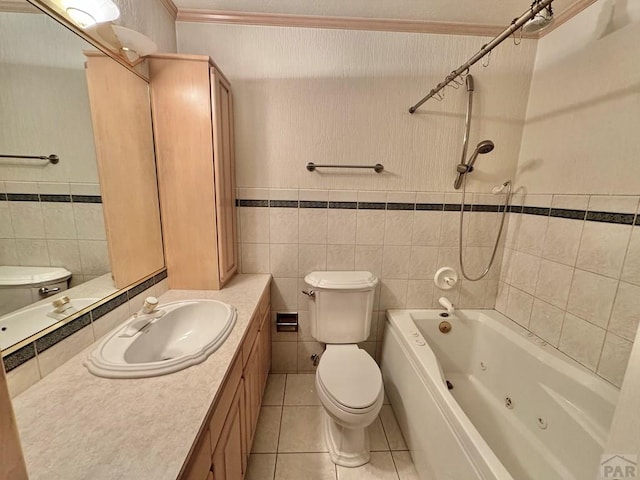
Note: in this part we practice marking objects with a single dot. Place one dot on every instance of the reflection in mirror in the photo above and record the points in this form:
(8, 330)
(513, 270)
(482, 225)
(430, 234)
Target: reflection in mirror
(52, 227)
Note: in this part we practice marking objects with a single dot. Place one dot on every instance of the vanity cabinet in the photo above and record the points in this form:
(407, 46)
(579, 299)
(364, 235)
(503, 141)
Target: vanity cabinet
(224, 447)
(192, 109)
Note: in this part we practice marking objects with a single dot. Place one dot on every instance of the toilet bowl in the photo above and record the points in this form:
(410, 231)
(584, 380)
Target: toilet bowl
(349, 386)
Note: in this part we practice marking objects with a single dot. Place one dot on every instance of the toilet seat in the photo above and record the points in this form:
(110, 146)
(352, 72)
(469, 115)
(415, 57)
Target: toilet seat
(350, 378)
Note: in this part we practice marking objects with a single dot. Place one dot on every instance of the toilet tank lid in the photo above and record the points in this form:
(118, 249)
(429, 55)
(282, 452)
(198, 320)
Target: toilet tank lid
(342, 280)
(13, 276)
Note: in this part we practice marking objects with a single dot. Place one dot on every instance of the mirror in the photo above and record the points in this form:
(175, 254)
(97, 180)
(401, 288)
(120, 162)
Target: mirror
(59, 96)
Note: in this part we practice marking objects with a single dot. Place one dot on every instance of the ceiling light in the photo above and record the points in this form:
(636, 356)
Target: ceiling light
(540, 21)
(87, 13)
(134, 44)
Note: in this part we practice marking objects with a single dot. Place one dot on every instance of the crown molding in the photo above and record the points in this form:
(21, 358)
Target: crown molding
(343, 23)
(170, 7)
(17, 6)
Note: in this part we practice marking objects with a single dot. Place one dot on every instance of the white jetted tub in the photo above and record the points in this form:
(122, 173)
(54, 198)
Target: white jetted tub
(518, 409)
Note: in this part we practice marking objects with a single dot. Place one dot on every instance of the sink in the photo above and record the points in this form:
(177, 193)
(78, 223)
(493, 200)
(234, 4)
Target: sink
(24, 323)
(173, 337)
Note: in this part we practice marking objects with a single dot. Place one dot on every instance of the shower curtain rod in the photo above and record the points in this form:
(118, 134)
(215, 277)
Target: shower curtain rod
(486, 49)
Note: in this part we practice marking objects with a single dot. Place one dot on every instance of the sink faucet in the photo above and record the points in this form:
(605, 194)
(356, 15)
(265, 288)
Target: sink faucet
(143, 318)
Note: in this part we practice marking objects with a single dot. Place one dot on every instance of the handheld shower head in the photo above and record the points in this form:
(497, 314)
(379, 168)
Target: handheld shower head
(483, 147)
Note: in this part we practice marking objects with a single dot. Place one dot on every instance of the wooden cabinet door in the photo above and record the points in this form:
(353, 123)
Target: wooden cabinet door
(224, 175)
(228, 454)
(253, 391)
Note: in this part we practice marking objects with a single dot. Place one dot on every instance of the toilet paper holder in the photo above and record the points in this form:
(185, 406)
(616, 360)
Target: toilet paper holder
(287, 321)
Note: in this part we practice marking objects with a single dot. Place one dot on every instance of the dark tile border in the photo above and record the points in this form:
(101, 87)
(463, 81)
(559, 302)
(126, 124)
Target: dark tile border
(86, 198)
(344, 205)
(603, 217)
(568, 213)
(17, 358)
(53, 198)
(23, 197)
(608, 217)
(26, 353)
(252, 203)
(50, 339)
(401, 206)
(283, 203)
(371, 205)
(433, 207)
(313, 204)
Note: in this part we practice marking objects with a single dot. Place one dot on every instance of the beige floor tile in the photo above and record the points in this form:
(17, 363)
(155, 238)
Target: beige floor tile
(404, 465)
(267, 431)
(301, 390)
(274, 392)
(377, 438)
(302, 430)
(261, 466)
(305, 466)
(392, 429)
(380, 467)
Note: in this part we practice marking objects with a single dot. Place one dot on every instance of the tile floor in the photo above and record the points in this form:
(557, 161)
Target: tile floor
(289, 444)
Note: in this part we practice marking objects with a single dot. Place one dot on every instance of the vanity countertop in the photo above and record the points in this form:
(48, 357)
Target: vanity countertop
(74, 425)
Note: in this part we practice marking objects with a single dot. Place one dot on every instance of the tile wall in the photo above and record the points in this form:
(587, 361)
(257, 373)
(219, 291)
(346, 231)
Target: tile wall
(34, 361)
(402, 237)
(571, 275)
(54, 224)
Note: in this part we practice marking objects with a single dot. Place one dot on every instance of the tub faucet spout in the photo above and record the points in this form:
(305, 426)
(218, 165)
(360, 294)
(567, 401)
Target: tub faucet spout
(446, 304)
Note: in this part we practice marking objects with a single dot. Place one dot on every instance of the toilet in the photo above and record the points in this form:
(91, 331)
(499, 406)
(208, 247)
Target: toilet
(348, 380)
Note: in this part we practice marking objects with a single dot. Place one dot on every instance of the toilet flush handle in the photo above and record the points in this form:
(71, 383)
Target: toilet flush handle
(309, 293)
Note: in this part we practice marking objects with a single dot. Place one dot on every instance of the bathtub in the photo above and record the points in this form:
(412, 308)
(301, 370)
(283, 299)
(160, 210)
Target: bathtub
(519, 409)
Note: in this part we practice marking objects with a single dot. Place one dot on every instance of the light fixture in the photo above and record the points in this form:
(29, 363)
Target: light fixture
(540, 20)
(86, 13)
(133, 44)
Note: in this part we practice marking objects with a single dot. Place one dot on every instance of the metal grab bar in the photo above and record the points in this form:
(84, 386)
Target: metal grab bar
(50, 158)
(378, 167)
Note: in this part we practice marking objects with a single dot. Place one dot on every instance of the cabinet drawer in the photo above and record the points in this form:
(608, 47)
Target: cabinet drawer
(226, 399)
(200, 461)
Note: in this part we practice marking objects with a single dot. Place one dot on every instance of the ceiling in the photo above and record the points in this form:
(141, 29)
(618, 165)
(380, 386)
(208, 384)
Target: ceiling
(476, 12)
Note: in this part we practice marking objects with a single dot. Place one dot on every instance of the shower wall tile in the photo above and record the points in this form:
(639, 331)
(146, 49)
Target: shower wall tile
(587, 276)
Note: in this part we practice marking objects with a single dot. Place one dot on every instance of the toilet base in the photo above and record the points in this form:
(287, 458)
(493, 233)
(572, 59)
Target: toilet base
(348, 447)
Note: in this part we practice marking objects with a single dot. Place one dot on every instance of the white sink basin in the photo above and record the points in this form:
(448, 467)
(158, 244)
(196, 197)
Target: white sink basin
(19, 325)
(176, 336)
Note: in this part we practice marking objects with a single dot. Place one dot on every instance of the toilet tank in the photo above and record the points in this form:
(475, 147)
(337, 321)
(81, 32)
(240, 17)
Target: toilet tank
(20, 286)
(340, 305)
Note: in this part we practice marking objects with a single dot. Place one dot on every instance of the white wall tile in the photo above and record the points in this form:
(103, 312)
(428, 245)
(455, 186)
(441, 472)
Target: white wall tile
(341, 257)
(26, 218)
(89, 221)
(603, 247)
(341, 226)
(395, 261)
(631, 270)
(531, 234)
(614, 359)
(283, 225)
(369, 258)
(94, 256)
(65, 253)
(313, 225)
(33, 253)
(311, 258)
(519, 305)
(423, 263)
(626, 311)
(254, 224)
(616, 204)
(59, 221)
(370, 227)
(398, 228)
(581, 340)
(546, 321)
(554, 282)
(562, 240)
(284, 260)
(591, 297)
(255, 258)
(426, 228)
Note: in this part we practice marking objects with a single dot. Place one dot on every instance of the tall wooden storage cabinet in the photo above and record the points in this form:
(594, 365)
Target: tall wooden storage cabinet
(192, 110)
